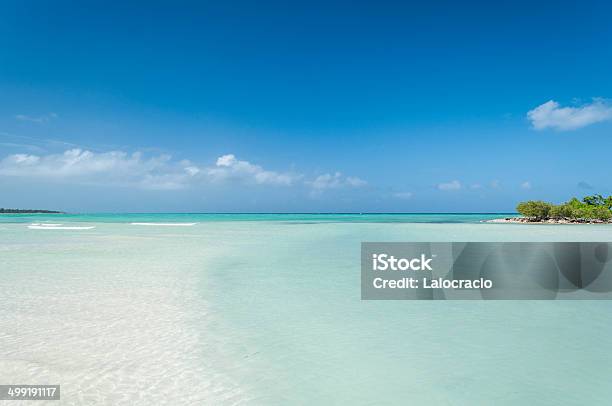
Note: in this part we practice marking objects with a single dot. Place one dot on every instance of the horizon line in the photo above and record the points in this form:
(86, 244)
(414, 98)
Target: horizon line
(286, 213)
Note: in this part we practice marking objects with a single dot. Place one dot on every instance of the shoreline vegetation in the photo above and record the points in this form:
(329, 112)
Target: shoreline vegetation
(594, 209)
(28, 211)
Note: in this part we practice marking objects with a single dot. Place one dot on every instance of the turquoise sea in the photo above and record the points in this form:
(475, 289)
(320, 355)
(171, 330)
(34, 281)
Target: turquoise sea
(292, 217)
(265, 309)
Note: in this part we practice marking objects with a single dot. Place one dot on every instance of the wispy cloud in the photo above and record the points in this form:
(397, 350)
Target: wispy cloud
(526, 185)
(107, 168)
(337, 180)
(403, 195)
(34, 143)
(21, 146)
(452, 185)
(161, 172)
(228, 167)
(36, 119)
(552, 115)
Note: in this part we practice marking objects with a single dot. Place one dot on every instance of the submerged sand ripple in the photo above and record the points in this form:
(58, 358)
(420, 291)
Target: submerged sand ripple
(108, 331)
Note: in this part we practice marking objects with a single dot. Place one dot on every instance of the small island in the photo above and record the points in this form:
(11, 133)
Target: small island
(28, 211)
(594, 209)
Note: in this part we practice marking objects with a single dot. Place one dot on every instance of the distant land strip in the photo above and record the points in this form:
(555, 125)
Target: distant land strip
(28, 211)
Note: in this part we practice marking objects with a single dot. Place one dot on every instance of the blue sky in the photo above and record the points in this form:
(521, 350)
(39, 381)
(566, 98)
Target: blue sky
(330, 106)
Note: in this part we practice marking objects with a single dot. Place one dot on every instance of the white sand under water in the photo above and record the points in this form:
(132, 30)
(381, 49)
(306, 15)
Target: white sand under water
(108, 317)
(269, 313)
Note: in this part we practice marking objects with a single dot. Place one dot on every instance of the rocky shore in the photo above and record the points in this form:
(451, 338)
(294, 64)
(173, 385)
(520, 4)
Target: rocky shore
(527, 220)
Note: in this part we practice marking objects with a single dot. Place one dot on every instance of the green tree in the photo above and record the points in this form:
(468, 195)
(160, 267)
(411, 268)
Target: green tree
(603, 213)
(595, 200)
(589, 208)
(535, 209)
(561, 211)
(575, 203)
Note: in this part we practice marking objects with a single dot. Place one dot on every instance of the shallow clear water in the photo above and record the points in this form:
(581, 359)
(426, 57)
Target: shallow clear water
(292, 217)
(268, 311)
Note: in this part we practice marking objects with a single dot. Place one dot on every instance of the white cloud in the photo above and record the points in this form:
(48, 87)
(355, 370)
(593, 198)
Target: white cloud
(228, 167)
(36, 119)
(110, 168)
(226, 160)
(354, 181)
(495, 184)
(121, 168)
(475, 186)
(453, 185)
(162, 172)
(403, 195)
(335, 181)
(192, 170)
(526, 185)
(551, 115)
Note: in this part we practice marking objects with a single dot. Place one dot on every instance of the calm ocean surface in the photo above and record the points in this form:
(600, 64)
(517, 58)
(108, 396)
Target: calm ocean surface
(265, 309)
(295, 217)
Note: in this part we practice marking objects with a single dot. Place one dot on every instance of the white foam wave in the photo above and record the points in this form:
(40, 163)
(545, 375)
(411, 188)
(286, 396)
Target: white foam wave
(46, 227)
(165, 224)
